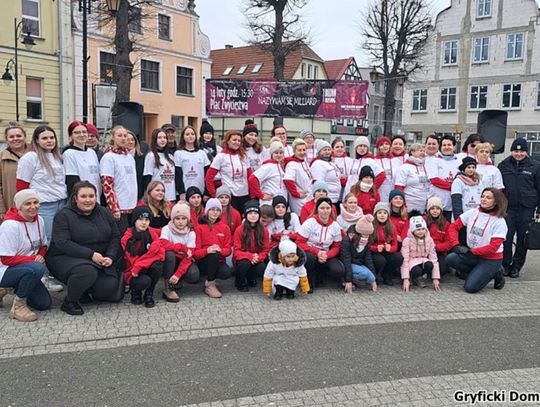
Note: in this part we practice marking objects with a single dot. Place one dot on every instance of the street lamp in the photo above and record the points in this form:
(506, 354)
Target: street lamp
(374, 76)
(85, 8)
(13, 63)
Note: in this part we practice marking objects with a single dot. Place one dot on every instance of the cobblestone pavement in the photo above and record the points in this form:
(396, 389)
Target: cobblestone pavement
(436, 391)
(109, 326)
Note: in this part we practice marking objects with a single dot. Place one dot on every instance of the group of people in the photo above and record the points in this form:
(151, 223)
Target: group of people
(297, 215)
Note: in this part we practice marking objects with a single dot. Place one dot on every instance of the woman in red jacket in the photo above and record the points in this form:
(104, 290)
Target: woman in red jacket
(212, 246)
(384, 245)
(398, 214)
(439, 228)
(229, 215)
(251, 246)
(144, 257)
(366, 191)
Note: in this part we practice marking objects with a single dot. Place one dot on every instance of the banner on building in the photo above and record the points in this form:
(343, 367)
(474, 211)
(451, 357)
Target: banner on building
(317, 99)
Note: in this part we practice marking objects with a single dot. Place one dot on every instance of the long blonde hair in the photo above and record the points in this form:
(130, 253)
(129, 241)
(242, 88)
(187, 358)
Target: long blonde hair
(43, 160)
(154, 206)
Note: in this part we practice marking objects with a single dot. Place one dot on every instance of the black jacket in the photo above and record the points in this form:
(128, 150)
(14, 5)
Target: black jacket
(79, 236)
(521, 182)
(349, 256)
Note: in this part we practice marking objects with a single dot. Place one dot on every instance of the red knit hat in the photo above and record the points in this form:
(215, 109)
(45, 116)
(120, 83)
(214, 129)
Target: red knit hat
(382, 140)
(92, 129)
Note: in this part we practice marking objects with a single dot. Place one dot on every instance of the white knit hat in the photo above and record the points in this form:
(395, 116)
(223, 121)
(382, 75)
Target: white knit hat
(286, 247)
(417, 222)
(275, 146)
(320, 144)
(361, 141)
(213, 203)
(434, 201)
(23, 196)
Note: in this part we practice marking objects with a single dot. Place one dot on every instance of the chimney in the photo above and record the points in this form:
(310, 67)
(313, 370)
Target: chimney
(229, 46)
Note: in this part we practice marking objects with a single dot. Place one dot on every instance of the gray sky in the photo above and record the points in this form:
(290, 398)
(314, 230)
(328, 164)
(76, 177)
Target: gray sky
(334, 25)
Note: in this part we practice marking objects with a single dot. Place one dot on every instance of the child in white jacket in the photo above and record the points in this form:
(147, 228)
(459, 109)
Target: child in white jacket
(285, 270)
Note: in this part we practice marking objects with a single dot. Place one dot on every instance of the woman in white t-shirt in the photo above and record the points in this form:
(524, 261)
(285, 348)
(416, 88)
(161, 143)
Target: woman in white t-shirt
(489, 174)
(255, 152)
(267, 182)
(119, 178)
(159, 165)
(480, 261)
(298, 178)
(232, 165)
(22, 264)
(42, 170)
(191, 162)
(466, 188)
(412, 179)
(324, 169)
(81, 163)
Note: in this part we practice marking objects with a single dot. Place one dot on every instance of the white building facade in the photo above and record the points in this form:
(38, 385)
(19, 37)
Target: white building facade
(481, 54)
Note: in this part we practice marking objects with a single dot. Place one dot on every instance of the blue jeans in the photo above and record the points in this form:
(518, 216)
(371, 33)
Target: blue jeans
(47, 210)
(479, 271)
(362, 273)
(26, 280)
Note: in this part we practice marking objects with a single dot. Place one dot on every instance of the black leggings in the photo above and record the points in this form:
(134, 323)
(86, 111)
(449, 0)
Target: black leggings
(213, 268)
(88, 278)
(148, 279)
(441, 258)
(421, 269)
(387, 264)
(317, 271)
(245, 271)
(171, 264)
(238, 202)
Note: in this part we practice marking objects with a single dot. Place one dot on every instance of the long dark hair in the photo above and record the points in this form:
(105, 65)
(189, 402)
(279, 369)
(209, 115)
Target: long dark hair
(182, 142)
(77, 187)
(154, 149)
(258, 229)
(43, 160)
(440, 222)
(388, 228)
(501, 203)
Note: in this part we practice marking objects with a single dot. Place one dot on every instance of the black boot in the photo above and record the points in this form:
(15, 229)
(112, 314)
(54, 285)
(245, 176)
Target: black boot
(513, 273)
(136, 297)
(149, 299)
(289, 294)
(278, 295)
(499, 280)
(71, 307)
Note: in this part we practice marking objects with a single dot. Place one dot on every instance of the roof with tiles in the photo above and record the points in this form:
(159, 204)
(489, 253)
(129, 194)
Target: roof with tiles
(252, 62)
(335, 69)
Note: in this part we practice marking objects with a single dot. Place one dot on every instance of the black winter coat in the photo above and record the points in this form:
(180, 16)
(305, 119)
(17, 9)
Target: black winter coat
(349, 256)
(521, 182)
(75, 237)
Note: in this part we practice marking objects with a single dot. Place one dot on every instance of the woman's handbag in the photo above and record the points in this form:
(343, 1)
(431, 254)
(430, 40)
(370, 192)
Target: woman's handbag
(532, 236)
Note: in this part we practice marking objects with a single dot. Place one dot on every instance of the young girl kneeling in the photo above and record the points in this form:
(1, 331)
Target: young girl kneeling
(178, 240)
(356, 254)
(251, 246)
(144, 257)
(285, 270)
(419, 256)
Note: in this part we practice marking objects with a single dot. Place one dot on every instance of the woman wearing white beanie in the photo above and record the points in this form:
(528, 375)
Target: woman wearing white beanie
(363, 157)
(324, 169)
(23, 245)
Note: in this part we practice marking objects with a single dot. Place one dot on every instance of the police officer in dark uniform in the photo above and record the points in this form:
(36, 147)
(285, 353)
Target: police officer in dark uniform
(521, 177)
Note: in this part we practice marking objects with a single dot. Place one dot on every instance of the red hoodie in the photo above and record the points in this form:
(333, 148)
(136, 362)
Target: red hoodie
(400, 225)
(239, 254)
(208, 235)
(236, 219)
(381, 239)
(138, 264)
(443, 243)
(367, 201)
(10, 261)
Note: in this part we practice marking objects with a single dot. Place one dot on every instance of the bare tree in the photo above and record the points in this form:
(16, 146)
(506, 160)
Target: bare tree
(276, 26)
(394, 36)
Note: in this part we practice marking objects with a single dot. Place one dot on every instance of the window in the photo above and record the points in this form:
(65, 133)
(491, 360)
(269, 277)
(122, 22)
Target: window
(178, 121)
(303, 70)
(309, 71)
(106, 64)
(242, 69)
(184, 81)
(149, 75)
(538, 94)
(164, 27)
(376, 110)
(484, 8)
(450, 52)
(228, 70)
(448, 99)
(30, 17)
(377, 87)
(478, 97)
(399, 117)
(315, 71)
(34, 107)
(514, 46)
(419, 100)
(512, 96)
(382, 117)
(135, 21)
(256, 68)
(481, 49)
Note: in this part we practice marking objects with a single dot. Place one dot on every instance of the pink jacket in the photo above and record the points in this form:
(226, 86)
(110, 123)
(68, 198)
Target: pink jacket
(417, 252)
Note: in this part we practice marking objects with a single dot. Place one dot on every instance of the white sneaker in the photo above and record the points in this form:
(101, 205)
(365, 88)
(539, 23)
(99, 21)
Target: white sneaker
(51, 285)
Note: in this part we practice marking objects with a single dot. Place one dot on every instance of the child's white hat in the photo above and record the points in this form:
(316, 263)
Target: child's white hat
(417, 222)
(286, 247)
